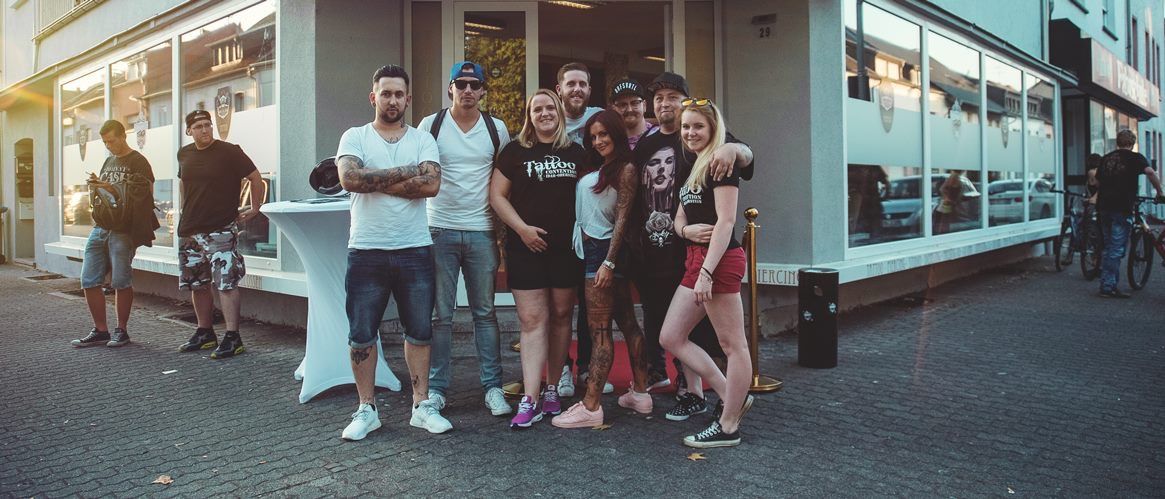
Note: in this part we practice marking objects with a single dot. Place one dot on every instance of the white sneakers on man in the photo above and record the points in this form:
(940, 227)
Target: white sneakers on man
(438, 400)
(426, 416)
(566, 383)
(495, 401)
(364, 420)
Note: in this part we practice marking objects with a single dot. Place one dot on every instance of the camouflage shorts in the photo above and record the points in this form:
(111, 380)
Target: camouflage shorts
(211, 257)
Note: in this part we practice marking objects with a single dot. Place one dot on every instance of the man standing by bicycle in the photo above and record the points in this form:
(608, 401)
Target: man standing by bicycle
(1118, 179)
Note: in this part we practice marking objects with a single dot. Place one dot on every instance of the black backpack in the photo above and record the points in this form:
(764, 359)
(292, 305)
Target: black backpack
(435, 128)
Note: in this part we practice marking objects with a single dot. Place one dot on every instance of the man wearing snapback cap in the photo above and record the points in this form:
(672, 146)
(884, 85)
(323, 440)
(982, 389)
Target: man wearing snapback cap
(461, 224)
(627, 99)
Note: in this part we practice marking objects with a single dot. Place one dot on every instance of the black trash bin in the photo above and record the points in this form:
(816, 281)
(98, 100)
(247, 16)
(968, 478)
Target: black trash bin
(817, 317)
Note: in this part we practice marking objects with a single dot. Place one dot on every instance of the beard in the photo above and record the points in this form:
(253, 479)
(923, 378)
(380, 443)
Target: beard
(571, 109)
(391, 116)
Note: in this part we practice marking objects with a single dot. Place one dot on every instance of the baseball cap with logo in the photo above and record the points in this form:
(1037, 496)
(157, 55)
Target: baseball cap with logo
(196, 115)
(466, 69)
(624, 87)
(667, 79)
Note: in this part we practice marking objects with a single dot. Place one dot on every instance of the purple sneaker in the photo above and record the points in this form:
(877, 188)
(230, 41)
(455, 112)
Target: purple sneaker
(550, 403)
(528, 414)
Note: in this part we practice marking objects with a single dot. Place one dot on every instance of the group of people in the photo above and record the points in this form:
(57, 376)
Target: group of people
(212, 172)
(587, 201)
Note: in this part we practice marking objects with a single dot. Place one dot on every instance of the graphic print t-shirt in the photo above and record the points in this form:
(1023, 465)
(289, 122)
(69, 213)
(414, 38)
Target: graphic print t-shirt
(1119, 176)
(663, 167)
(700, 203)
(574, 126)
(132, 167)
(542, 190)
(211, 184)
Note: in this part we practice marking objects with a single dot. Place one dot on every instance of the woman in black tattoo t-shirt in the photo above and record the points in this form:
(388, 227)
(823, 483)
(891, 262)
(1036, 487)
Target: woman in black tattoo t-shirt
(714, 269)
(532, 191)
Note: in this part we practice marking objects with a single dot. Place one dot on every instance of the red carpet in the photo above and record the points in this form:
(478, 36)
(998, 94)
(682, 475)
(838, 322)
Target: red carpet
(620, 376)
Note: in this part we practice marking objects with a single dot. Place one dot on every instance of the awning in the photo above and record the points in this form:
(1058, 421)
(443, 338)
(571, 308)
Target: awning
(1102, 74)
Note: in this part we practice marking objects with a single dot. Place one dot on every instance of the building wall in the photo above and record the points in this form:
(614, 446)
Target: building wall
(1023, 25)
(30, 120)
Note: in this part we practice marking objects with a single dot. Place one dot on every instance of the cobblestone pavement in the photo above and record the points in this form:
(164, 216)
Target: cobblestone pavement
(1017, 381)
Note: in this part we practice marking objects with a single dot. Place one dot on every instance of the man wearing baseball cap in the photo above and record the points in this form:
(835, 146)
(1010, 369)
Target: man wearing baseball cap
(461, 224)
(627, 99)
(211, 171)
(657, 252)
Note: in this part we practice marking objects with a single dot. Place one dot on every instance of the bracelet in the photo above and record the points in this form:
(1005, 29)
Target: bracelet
(682, 236)
(706, 272)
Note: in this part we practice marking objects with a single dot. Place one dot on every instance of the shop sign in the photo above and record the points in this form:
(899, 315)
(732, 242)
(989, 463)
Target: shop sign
(886, 104)
(956, 116)
(139, 131)
(222, 110)
(82, 139)
(1116, 76)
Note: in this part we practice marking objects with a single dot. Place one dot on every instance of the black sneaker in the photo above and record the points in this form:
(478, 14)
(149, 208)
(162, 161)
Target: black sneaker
(687, 405)
(719, 410)
(231, 346)
(714, 436)
(119, 337)
(92, 339)
(203, 339)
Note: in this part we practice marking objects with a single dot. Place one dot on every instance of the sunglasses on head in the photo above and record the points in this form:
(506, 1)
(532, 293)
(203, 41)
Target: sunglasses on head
(474, 84)
(695, 102)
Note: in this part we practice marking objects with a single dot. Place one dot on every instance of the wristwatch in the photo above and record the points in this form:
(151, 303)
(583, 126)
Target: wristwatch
(609, 264)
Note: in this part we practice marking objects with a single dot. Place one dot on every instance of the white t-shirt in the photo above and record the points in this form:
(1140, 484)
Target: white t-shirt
(382, 221)
(574, 127)
(466, 166)
(594, 213)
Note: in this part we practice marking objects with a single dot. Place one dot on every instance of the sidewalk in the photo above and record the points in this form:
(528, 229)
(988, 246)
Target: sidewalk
(1017, 380)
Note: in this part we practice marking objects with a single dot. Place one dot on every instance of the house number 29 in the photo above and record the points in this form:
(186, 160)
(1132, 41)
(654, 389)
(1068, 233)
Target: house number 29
(764, 32)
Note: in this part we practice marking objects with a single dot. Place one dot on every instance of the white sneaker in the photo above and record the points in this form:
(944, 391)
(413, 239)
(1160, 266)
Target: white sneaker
(364, 420)
(438, 400)
(426, 415)
(566, 383)
(582, 380)
(495, 401)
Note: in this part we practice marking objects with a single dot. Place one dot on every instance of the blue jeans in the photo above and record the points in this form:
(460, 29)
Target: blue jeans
(473, 254)
(1116, 227)
(108, 252)
(373, 277)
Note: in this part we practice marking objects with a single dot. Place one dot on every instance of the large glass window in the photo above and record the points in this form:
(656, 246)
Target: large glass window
(229, 70)
(1004, 143)
(955, 135)
(141, 97)
(82, 152)
(884, 130)
(1041, 148)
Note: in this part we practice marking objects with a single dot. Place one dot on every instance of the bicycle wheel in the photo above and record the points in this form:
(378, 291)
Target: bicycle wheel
(1063, 249)
(1090, 252)
(1140, 259)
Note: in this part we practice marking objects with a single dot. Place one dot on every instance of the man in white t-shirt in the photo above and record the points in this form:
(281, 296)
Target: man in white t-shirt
(390, 168)
(574, 88)
(461, 224)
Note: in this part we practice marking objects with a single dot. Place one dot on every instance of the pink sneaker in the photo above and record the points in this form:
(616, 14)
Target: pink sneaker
(579, 417)
(528, 414)
(639, 402)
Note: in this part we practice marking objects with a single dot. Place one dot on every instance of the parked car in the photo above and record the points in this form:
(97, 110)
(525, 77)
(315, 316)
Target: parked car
(1006, 200)
(902, 206)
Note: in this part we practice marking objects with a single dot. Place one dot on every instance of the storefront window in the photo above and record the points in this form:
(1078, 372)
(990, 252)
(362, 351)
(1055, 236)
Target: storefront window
(884, 126)
(1041, 148)
(228, 69)
(82, 152)
(955, 135)
(141, 97)
(1004, 143)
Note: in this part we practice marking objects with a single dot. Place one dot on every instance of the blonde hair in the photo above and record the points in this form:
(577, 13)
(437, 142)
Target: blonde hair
(697, 178)
(529, 136)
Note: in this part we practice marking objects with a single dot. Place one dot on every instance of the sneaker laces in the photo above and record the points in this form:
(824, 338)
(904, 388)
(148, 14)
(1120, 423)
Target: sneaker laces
(550, 396)
(709, 432)
(362, 415)
(525, 406)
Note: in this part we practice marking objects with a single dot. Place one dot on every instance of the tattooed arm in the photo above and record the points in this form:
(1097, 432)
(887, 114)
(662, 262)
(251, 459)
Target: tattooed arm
(424, 185)
(354, 177)
(628, 182)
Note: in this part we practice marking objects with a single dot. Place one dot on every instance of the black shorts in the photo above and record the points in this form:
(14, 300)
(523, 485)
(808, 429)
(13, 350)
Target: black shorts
(553, 268)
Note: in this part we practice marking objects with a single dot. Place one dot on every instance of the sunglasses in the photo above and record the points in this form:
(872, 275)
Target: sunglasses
(694, 102)
(474, 84)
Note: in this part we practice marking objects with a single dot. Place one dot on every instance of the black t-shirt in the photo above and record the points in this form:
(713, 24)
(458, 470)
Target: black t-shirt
(131, 168)
(700, 204)
(1118, 175)
(663, 167)
(542, 191)
(211, 185)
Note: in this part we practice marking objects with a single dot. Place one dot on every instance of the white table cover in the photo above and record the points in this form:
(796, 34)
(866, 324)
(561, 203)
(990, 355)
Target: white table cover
(318, 230)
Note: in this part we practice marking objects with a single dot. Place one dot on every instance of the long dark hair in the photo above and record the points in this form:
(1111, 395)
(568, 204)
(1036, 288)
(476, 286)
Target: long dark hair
(608, 170)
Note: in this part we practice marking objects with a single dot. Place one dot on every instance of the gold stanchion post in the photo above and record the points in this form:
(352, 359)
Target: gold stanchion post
(760, 383)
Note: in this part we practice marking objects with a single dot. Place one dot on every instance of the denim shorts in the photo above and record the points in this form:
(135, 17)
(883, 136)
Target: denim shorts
(211, 258)
(108, 252)
(374, 276)
(594, 252)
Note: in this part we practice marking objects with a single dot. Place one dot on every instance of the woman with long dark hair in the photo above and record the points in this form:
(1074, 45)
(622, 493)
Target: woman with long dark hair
(602, 201)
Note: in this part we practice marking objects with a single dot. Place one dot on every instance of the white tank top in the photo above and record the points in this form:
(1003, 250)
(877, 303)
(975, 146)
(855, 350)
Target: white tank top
(594, 213)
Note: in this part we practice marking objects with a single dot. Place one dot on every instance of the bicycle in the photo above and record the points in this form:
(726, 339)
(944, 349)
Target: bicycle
(1142, 242)
(1079, 232)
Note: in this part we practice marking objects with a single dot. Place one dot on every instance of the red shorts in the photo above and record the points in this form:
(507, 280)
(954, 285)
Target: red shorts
(727, 275)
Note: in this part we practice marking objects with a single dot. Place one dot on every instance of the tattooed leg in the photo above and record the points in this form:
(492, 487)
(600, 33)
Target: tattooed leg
(417, 358)
(364, 369)
(602, 350)
(636, 342)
